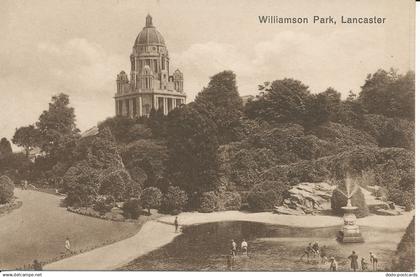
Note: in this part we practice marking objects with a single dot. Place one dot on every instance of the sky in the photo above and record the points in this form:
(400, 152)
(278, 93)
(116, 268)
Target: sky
(78, 46)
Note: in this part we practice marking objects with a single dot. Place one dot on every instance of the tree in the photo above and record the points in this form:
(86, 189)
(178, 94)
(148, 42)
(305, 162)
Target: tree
(282, 101)
(192, 146)
(174, 200)
(222, 100)
(151, 198)
(120, 127)
(389, 94)
(157, 123)
(317, 111)
(57, 125)
(6, 189)
(265, 196)
(81, 184)
(5, 148)
(27, 137)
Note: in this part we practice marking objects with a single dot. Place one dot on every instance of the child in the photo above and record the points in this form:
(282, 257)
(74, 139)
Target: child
(333, 264)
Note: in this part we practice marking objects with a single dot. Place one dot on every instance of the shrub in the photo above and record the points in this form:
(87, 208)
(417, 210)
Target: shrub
(405, 256)
(151, 198)
(265, 196)
(6, 189)
(103, 205)
(230, 200)
(174, 200)
(338, 200)
(208, 202)
(132, 208)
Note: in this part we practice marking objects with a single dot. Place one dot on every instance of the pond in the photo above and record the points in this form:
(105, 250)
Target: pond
(205, 247)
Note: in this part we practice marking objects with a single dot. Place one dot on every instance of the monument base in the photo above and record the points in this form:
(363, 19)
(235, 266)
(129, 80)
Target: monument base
(349, 237)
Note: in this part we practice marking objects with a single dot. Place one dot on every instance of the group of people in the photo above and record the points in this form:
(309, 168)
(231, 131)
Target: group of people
(234, 251)
(315, 250)
(354, 265)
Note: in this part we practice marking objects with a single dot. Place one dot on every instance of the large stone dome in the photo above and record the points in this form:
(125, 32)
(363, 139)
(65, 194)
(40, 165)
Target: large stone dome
(149, 35)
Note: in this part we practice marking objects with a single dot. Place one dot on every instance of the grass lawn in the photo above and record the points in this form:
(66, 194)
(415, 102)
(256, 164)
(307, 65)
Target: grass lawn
(39, 229)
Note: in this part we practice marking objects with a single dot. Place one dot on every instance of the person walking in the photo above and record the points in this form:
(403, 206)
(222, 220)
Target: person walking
(176, 224)
(244, 247)
(333, 264)
(67, 246)
(307, 252)
(374, 261)
(233, 247)
(353, 261)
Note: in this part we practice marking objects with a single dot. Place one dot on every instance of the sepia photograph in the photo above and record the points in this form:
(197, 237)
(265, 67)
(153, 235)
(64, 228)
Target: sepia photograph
(194, 135)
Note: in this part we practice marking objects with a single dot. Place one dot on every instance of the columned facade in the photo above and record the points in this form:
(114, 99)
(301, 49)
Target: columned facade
(150, 85)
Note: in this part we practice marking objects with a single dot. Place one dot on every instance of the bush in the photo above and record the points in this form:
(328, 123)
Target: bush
(151, 198)
(132, 208)
(338, 200)
(265, 196)
(208, 202)
(103, 205)
(6, 189)
(405, 258)
(230, 200)
(174, 200)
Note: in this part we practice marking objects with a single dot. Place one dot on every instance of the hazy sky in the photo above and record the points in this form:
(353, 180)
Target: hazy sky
(78, 47)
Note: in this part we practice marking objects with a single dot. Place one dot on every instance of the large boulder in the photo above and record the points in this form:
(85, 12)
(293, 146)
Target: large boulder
(306, 198)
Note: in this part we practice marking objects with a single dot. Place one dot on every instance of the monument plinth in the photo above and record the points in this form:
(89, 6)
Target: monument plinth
(350, 231)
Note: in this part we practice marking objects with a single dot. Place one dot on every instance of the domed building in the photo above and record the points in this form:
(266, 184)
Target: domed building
(150, 84)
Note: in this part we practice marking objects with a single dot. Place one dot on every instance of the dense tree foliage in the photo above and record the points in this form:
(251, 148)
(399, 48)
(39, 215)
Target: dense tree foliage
(389, 94)
(6, 189)
(192, 147)
(27, 137)
(174, 200)
(216, 154)
(221, 99)
(5, 148)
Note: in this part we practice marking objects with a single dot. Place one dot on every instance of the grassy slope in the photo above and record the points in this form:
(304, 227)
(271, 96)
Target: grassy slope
(39, 228)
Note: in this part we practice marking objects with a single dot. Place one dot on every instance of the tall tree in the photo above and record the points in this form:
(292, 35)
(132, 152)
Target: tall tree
(57, 125)
(27, 137)
(389, 94)
(282, 101)
(192, 148)
(222, 100)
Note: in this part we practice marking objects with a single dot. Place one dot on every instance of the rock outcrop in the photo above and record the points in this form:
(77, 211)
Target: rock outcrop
(307, 198)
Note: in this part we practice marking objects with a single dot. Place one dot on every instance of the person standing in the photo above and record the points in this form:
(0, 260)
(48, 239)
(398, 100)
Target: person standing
(176, 224)
(374, 261)
(233, 247)
(67, 246)
(353, 261)
(37, 265)
(333, 264)
(244, 247)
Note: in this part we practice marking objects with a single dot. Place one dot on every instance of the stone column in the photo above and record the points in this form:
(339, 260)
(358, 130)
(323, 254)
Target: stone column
(116, 107)
(130, 107)
(140, 109)
(165, 105)
(124, 108)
